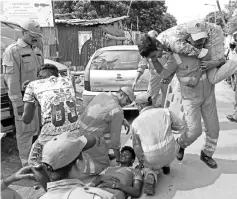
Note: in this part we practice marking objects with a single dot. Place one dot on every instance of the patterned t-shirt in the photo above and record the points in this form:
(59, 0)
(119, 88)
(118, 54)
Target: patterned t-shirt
(57, 100)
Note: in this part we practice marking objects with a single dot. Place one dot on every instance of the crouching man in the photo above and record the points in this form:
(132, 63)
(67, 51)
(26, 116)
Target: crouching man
(103, 117)
(153, 139)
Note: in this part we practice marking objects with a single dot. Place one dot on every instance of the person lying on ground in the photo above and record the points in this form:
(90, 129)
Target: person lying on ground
(153, 139)
(63, 160)
(8, 193)
(122, 180)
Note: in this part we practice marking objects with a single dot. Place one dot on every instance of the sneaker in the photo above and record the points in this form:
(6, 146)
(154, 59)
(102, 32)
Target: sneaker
(208, 160)
(180, 154)
(231, 118)
(150, 185)
(166, 170)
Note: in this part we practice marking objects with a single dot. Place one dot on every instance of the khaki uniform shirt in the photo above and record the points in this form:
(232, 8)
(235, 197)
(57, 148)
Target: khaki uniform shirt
(20, 63)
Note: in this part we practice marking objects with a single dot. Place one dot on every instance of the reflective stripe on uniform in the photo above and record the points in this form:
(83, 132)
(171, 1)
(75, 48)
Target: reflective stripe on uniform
(85, 127)
(186, 79)
(114, 111)
(89, 165)
(159, 145)
(210, 146)
(208, 139)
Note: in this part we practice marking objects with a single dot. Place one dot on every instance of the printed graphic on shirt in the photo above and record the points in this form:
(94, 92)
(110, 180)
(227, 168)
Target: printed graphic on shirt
(56, 97)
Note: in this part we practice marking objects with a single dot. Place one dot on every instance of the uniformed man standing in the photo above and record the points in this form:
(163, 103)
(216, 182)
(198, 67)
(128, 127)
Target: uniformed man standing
(198, 102)
(20, 62)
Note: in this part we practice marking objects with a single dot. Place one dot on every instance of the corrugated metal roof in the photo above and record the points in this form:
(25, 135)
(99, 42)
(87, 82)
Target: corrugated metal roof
(120, 47)
(10, 24)
(91, 22)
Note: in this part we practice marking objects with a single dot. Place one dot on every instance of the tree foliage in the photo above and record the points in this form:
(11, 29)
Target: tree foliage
(230, 7)
(211, 18)
(231, 26)
(231, 22)
(169, 21)
(147, 15)
(110, 8)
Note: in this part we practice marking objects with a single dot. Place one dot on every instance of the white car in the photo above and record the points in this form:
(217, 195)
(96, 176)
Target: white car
(111, 68)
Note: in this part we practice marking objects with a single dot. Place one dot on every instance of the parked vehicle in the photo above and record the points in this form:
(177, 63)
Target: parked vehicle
(111, 68)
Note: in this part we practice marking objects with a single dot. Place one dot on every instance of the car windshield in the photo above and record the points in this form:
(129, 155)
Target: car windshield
(116, 60)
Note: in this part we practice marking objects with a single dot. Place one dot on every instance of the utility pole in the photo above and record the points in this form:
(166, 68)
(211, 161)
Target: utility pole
(222, 16)
(56, 34)
(137, 24)
(207, 4)
(129, 7)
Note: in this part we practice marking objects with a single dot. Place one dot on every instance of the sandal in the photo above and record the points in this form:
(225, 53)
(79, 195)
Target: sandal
(150, 185)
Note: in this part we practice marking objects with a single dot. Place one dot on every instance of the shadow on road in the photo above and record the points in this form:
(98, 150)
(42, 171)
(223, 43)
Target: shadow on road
(226, 125)
(192, 173)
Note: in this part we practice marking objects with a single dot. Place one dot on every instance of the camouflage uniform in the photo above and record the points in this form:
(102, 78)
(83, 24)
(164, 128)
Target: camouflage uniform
(175, 39)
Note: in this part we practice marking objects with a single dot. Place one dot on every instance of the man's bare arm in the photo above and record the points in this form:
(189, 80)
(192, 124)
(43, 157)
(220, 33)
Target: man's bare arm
(29, 111)
(157, 65)
(207, 65)
(134, 191)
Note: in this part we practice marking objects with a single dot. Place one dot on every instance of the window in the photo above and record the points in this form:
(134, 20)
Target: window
(116, 60)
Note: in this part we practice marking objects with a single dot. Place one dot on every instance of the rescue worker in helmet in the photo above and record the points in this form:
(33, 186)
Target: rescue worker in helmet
(103, 117)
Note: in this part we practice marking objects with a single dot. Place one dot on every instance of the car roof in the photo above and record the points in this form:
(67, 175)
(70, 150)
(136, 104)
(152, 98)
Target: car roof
(120, 47)
(57, 64)
(11, 24)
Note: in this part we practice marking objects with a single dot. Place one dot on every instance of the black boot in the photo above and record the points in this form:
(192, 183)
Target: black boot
(231, 118)
(166, 170)
(180, 154)
(208, 160)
